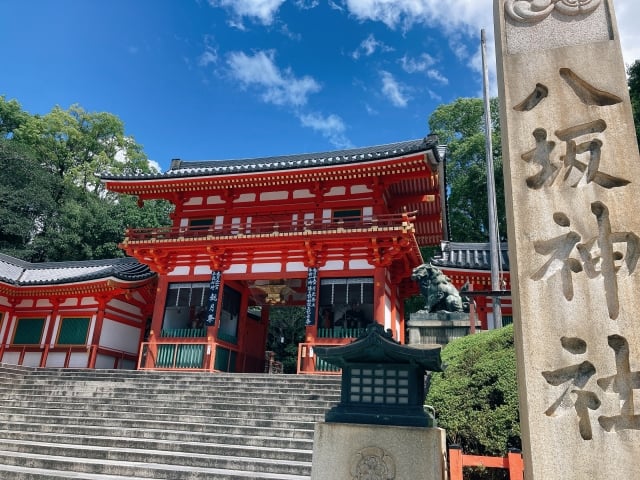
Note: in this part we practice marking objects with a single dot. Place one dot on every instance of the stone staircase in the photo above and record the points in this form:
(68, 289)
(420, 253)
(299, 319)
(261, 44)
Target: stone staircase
(116, 425)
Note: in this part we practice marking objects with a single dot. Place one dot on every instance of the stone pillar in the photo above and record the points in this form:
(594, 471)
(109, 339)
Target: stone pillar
(344, 451)
(572, 182)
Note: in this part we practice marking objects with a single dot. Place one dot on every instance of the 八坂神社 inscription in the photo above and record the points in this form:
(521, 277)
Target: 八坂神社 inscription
(531, 11)
(596, 255)
(575, 169)
(574, 379)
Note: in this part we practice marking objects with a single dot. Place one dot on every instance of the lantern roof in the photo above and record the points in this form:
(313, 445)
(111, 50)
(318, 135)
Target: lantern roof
(376, 346)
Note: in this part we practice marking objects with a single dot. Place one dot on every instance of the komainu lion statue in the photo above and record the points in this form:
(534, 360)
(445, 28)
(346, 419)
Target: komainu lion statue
(438, 291)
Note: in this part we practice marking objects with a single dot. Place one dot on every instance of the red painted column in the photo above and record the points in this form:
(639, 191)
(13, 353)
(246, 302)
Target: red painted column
(158, 309)
(55, 302)
(97, 330)
(379, 307)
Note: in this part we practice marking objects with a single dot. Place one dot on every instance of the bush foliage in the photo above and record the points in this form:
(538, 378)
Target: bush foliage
(476, 398)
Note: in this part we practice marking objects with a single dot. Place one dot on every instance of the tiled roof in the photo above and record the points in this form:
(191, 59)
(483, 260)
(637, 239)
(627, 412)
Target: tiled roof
(472, 256)
(181, 168)
(21, 273)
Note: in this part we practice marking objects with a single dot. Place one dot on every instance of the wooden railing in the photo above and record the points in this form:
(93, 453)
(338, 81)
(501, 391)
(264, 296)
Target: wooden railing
(89, 352)
(458, 460)
(177, 356)
(271, 227)
(340, 332)
(309, 363)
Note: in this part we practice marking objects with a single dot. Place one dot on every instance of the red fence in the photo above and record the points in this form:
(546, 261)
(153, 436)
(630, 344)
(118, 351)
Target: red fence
(458, 460)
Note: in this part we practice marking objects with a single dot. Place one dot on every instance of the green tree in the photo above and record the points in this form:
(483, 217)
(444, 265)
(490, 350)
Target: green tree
(286, 331)
(76, 144)
(634, 93)
(460, 125)
(25, 198)
(55, 207)
(475, 398)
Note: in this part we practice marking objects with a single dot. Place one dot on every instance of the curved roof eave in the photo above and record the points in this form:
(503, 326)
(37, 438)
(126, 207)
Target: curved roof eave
(186, 169)
(14, 271)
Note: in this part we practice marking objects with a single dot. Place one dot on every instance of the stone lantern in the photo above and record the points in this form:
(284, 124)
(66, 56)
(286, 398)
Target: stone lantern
(382, 381)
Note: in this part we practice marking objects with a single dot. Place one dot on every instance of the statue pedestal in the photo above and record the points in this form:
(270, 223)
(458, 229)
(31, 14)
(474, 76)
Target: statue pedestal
(348, 451)
(437, 327)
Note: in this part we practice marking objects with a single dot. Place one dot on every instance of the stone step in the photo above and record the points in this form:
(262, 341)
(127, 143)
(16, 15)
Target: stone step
(269, 405)
(263, 451)
(234, 412)
(213, 425)
(134, 425)
(22, 466)
(250, 436)
(182, 394)
(93, 459)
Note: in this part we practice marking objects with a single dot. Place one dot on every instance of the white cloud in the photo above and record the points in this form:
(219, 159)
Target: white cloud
(208, 57)
(464, 19)
(263, 11)
(425, 63)
(276, 86)
(421, 64)
(394, 90)
(436, 76)
(369, 46)
(627, 14)
(307, 4)
(331, 127)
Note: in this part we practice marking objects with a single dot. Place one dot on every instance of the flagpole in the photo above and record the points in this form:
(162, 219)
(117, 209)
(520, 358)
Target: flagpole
(491, 191)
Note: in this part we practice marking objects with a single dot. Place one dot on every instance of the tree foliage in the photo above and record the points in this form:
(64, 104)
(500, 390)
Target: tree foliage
(286, 331)
(475, 398)
(634, 93)
(460, 125)
(53, 206)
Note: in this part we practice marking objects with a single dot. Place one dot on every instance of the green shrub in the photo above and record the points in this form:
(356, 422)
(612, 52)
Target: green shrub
(476, 399)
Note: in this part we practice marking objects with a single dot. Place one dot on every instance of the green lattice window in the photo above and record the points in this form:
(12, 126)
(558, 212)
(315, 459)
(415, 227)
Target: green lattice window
(28, 331)
(73, 331)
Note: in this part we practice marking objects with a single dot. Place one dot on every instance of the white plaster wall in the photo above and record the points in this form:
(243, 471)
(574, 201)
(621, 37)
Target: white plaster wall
(32, 359)
(266, 267)
(11, 358)
(183, 270)
(214, 199)
(104, 361)
(360, 264)
(333, 265)
(4, 301)
(43, 303)
(202, 270)
(194, 201)
(56, 359)
(266, 196)
(88, 301)
(126, 307)
(71, 302)
(387, 312)
(238, 268)
(296, 267)
(25, 304)
(303, 194)
(336, 191)
(119, 336)
(246, 197)
(355, 189)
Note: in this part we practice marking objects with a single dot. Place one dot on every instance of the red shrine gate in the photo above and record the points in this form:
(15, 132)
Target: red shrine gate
(335, 233)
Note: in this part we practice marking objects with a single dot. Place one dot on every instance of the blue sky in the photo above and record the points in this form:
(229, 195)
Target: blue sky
(224, 79)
